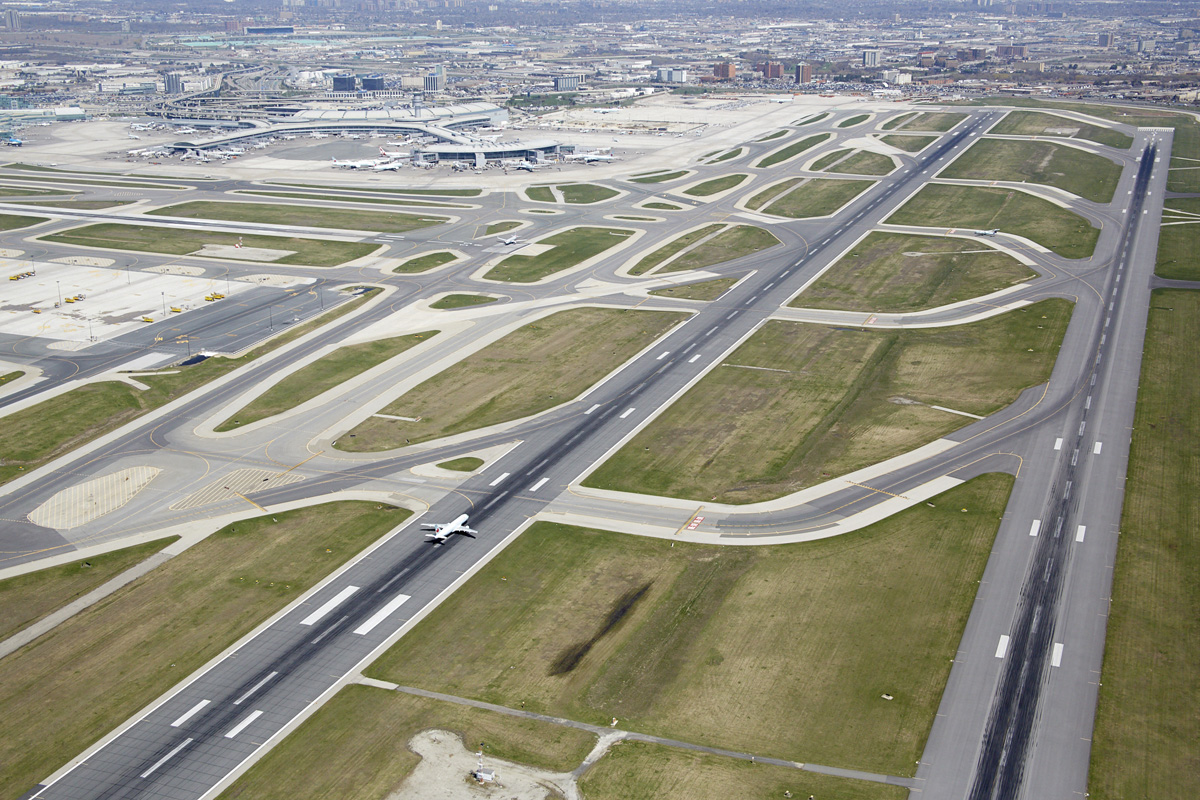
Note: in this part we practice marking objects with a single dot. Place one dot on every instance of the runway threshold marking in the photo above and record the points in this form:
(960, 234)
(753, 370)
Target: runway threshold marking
(1035, 527)
(191, 712)
(254, 689)
(241, 726)
(1002, 648)
(1056, 656)
(329, 605)
(382, 614)
(1079, 532)
(166, 758)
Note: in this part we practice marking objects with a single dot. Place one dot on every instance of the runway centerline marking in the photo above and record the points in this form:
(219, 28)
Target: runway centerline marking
(254, 688)
(1002, 648)
(382, 614)
(503, 475)
(329, 605)
(241, 726)
(593, 408)
(191, 712)
(165, 758)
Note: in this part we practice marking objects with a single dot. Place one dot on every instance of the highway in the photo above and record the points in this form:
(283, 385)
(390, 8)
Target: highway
(191, 742)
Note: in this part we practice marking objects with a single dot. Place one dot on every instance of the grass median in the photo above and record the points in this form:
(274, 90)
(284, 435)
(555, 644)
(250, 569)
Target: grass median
(661, 177)
(940, 121)
(729, 244)
(296, 214)
(567, 249)
(792, 150)
(452, 301)
(857, 119)
(896, 122)
(534, 368)
(671, 248)
(541, 194)
(70, 687)
(503, 226)
(862, 162)
(704, 291)
(12, 222)
(716, 185)
(903, 272)
(30, 597)
(728, 155)
(817, 197)
(464, 464)
(1144, 743)
(771, 192)
(586, 193)
(339, 198)
(40, 433)
(327, 372)
(415, 192)
(1178, 256)
(1012, 211)
(797, 404)
(1039, 123)
(755, 649)
(185, 241)
(909, 144)
(425, 262)
(1076, 171)
(372, 727)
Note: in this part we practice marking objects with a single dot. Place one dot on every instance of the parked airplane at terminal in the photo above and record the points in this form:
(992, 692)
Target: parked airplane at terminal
(442, 532)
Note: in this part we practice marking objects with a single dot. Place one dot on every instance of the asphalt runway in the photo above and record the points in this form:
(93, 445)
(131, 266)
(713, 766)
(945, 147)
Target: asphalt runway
(227, 714)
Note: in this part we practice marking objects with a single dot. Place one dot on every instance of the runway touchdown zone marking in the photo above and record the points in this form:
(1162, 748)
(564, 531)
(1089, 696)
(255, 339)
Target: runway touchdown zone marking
(382, 614)
(191, 712)
(241, 726)
(1002, 648)
(1035, 527)
(329, 605)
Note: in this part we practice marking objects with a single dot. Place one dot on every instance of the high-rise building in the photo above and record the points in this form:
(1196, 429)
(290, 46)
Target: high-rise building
(724, 70)
(566, 83)
(435, 81)
(804, 73)
(344, 83)
(12, 18)
(870, 58)
(173, 83)
(373, 83)
(1104, 40)
(770, 69)
(671, 75)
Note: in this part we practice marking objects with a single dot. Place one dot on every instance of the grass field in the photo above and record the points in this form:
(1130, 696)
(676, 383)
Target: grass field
(462, 301)
(645, 770)
(1036, 123)
(503, 226)
(372, 728)
(817, 118)
(728, 155)
(711, 187)
(662, 177)
(425, 262)
(10, 376)
(1053, 227)
(940, 121)
(29, 597)
(817, 197)
(320, 376)
(567, 249)
(909, 144)
(89, 182)
(81, 205)
(829, 158)
(1084, 174)
(792, 150)
(704, 290)
(852, 121)
(540, 194)
(464, 464)
(827, 404)
(338, 198)
(770, 136)
(662, 206)
(1144, 744)
(636, 219)
(1178, 257)
(766, 195)
(735, 242)
(534, 368)
(40, 433)
(755, 649)
(181, 241)
(896, 122)
(586, 193)
(902, 272)
(157, 630)
(11, 222)
(315, 216)
(660, 255)
(14, 191)
(864, 162)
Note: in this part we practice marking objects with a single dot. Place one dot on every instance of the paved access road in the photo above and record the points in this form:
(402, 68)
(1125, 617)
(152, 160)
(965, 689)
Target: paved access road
(192, 741)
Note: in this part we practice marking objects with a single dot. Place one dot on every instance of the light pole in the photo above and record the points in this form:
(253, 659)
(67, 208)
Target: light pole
(271, 317)
(164, 299)
(59, 288)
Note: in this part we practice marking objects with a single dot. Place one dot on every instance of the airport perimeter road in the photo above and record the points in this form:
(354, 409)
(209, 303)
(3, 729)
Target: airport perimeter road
(1016, 717)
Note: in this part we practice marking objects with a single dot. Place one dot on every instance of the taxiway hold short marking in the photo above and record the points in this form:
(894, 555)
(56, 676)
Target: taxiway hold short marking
(1002, 648)
(241, 726)
(329, 605)
(503, 475)
(164, 759)
(1035, 527)
(628, 411)
(538, 485)
(382, 614)
(191, 712)
(1056, 656)
(1079, 532)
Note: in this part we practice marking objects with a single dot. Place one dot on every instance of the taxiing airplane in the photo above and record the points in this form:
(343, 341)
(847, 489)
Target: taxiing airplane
(991, 232)
(509, 240)
(442, 532)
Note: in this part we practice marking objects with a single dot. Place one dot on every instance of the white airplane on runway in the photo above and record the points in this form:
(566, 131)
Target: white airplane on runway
(509, 240)
(444, 531)
(991, 232)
